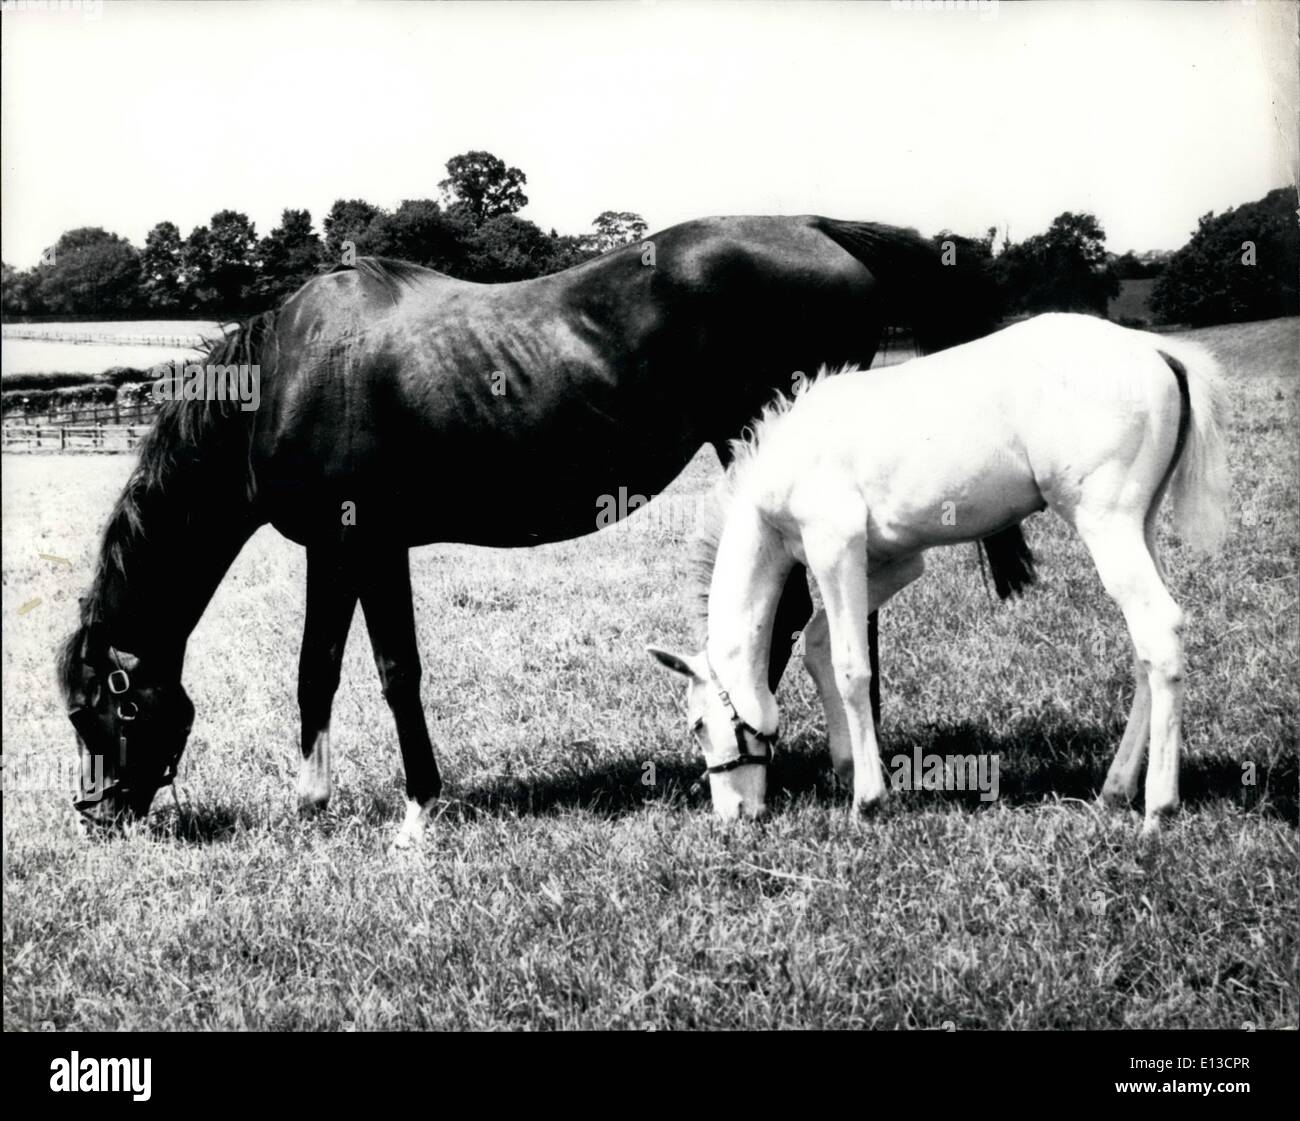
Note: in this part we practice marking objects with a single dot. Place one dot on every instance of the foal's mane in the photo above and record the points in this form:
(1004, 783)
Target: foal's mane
(702, 549)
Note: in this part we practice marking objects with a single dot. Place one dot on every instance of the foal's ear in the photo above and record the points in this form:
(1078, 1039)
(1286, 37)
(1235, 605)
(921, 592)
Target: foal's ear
(687, 665)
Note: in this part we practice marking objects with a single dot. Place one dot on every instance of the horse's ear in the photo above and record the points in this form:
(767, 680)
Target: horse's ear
(691, 666)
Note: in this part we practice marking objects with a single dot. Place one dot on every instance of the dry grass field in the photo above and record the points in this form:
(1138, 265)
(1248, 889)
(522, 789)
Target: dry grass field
(573, 879)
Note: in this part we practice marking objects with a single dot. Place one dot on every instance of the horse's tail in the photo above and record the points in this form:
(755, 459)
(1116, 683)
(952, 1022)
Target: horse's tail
(1199, 483)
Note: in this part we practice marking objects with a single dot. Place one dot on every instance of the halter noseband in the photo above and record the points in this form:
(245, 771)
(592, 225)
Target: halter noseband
(119, 685)
(743, 757)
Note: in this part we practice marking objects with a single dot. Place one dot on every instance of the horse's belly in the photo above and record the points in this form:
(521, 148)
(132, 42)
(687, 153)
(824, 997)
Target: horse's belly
(929, 502)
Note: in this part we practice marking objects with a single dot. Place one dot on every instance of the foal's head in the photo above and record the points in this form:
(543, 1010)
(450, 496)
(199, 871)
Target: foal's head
(132, 719)
(735, 755)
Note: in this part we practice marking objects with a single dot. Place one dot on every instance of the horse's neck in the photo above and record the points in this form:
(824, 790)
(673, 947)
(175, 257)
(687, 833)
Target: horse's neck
(748, 577)
(152, 591)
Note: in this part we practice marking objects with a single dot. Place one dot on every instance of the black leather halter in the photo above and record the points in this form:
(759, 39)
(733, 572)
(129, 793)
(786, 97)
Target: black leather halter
(119, 685)
(743, 757)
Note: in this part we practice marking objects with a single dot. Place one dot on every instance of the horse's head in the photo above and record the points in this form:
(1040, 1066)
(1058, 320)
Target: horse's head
(132, 719)
(735, 754)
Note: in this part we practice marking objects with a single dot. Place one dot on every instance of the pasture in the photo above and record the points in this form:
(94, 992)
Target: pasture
(573, 879)
(33, 348)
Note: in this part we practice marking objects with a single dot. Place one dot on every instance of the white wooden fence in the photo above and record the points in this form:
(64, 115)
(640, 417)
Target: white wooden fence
(72, 438)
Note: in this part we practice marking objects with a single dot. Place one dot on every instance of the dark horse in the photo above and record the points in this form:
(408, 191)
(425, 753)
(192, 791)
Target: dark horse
(401, 407)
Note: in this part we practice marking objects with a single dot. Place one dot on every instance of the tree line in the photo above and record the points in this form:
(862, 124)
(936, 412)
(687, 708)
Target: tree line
(1238, 265)
(221, 269)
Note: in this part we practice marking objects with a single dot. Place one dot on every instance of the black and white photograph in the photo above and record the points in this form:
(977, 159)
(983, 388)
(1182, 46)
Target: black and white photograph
(651, 517)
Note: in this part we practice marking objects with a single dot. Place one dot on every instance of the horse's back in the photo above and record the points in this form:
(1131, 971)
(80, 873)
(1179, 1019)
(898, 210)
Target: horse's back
(935, 448)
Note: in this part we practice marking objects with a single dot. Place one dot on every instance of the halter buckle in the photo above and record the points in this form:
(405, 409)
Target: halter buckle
(118, 682)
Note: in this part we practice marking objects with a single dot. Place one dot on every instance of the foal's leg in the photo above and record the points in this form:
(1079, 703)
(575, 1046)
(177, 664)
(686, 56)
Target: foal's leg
(792, 617)
(1125, 772)
(385, 584)
(817, 660)
(1132, 579)
(331, 600)
(840, 566)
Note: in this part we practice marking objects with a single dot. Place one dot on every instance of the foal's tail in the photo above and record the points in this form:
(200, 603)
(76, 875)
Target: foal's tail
(1199, 485)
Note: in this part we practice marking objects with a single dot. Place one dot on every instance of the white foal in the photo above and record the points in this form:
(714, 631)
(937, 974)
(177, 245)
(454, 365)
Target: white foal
(864, 471)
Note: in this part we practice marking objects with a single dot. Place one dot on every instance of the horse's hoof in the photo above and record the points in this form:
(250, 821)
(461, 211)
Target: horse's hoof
(1116, 798)
(867, 807)
(402, 844)
(309, 807)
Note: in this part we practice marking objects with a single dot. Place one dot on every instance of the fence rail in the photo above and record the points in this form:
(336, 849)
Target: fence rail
(189, 342)
(71, 438)
(138, 412)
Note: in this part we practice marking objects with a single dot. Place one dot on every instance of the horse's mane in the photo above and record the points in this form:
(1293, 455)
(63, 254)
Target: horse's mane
(389, 273)
(702, 550)
(188, 444)
(201, 447)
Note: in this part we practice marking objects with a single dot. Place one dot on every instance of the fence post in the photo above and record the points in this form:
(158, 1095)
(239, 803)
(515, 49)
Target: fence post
(63, 439)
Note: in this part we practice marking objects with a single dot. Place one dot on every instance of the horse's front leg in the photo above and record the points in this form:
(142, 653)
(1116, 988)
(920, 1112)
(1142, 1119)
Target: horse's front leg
(838, 560)
(331, 600)
(839, 563)
(385, 585)
(794, 616)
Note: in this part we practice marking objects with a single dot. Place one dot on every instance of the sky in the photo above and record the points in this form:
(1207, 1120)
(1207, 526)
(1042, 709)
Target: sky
(978, 114)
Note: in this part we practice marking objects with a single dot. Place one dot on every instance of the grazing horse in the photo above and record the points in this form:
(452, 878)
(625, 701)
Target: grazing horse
(401, 407)
(865, 471)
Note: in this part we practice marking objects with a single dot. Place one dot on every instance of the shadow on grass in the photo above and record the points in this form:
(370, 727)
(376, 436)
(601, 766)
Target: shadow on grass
(1035, 763)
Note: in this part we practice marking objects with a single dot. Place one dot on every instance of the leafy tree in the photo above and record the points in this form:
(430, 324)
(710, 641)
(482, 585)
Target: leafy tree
(353, 220)
(616, 227)
(288, 256)
(1064, 269)
(220, 263)
(1239, 265)
(420, 230)
(565, 251)
(196, 265)
(161, 264)
(92, 271)
(507, 247)
(20, 291)
(483, 187)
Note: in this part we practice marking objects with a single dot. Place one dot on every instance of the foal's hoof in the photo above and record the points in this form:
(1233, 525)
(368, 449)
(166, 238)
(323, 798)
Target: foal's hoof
(865, 807)
(1152, 827)
(1116, 797)
(402, 844)
(310, 806)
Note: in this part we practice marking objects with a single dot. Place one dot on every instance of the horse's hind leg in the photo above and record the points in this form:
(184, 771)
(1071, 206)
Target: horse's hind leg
(331, 600)
(817, 660)
(1125, 772)
(1131, 577)
(385, 586)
